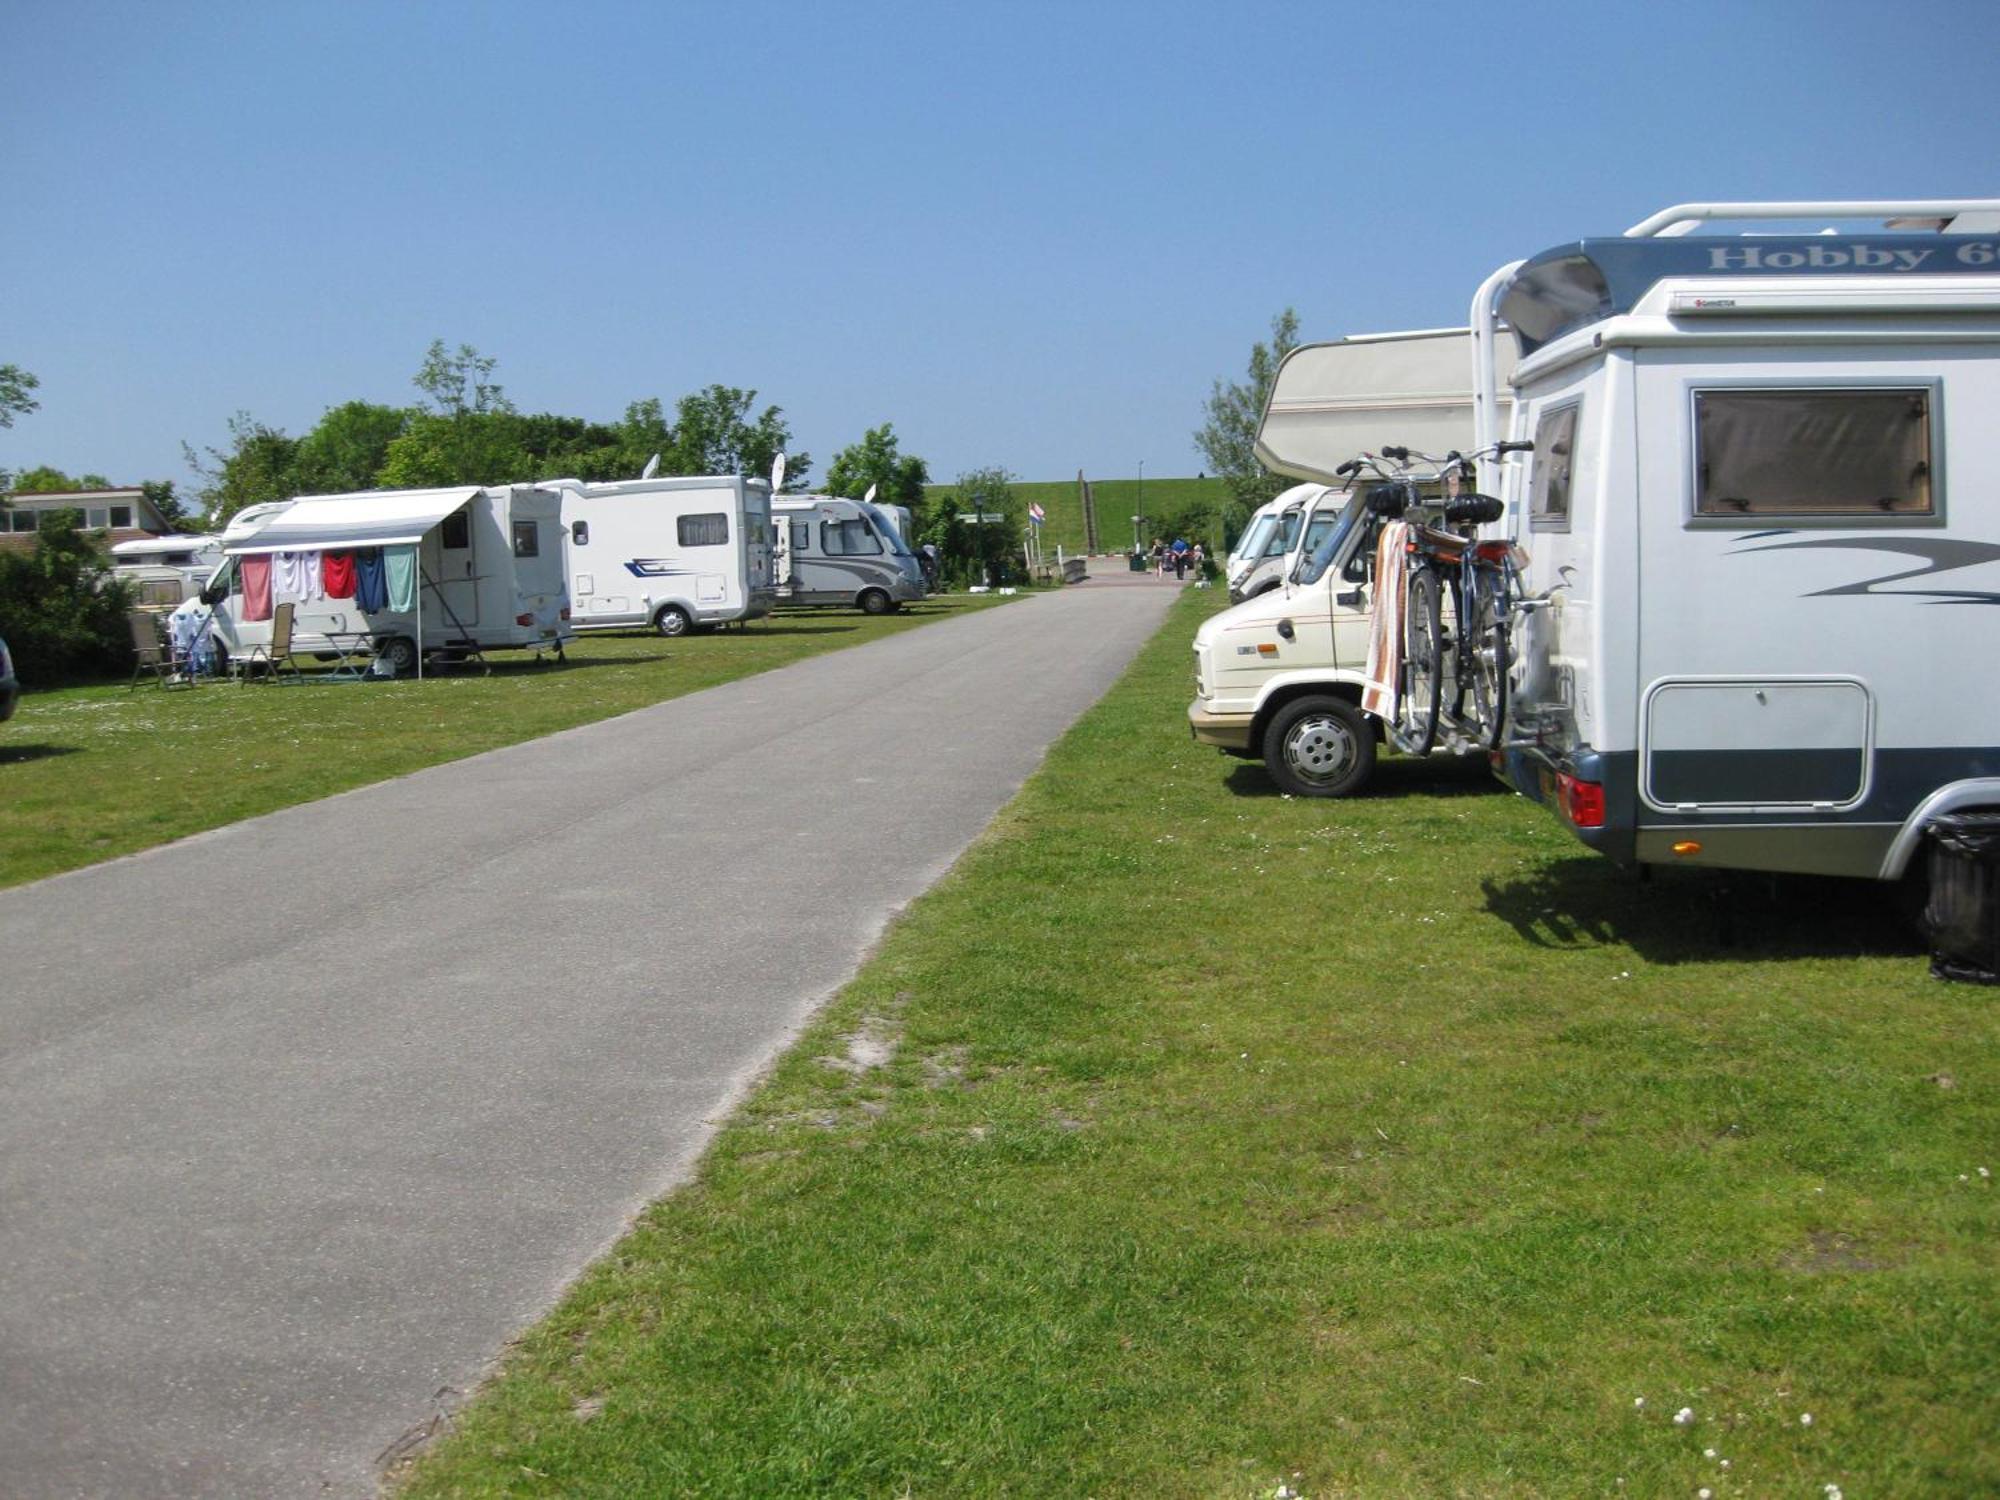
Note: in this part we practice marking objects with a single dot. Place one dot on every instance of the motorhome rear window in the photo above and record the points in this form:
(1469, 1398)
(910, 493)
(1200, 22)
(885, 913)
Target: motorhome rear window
(848, 538)
(527, 539)
(1555, 463)
(159, 591)
(1813, 452)
(703, 531)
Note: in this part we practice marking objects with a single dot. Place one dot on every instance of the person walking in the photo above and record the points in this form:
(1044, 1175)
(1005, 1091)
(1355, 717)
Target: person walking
(1180, 551)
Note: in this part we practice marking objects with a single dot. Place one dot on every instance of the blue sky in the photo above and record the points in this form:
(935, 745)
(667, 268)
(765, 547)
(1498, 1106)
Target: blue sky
(1029, 235)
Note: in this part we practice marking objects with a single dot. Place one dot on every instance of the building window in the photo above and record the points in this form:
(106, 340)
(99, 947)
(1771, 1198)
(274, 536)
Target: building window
(1813, 452)
(27, 520)
(1555, 466)
(527, 539)
(121, 517)
(99, 518)
(848, 539)
(702, 531)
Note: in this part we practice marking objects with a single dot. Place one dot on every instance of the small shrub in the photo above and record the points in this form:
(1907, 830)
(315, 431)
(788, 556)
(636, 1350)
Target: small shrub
(62, 614)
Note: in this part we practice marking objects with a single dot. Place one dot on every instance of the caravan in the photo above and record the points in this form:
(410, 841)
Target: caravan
(165, 571)
(835, 551)
(476, 570)
(672, 555)
(1763, 521)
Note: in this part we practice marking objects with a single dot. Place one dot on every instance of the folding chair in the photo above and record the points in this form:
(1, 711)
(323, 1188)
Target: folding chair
(150, 652)
(277, 658)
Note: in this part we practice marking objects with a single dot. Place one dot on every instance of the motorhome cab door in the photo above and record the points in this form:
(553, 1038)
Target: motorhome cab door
(449, 557)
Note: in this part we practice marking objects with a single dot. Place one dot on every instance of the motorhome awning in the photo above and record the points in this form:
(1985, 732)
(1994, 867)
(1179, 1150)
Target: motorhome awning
(377, 518)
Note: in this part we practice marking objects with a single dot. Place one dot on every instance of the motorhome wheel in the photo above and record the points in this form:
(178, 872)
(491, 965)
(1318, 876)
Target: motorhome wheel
(1319, 747)
(400, 652)
(876, 602)
(672, 620)
(218, 657)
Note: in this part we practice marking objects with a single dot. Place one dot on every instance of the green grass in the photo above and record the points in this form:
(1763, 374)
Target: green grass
(1117, 500)
(1386, 1147)
(93, 772)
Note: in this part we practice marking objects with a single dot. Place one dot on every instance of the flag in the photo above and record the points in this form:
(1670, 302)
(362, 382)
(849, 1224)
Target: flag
(1036, 513)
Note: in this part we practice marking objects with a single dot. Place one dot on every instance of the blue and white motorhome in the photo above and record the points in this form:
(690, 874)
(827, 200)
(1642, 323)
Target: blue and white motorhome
(667, 554)
(1763, 521)
(848, 552)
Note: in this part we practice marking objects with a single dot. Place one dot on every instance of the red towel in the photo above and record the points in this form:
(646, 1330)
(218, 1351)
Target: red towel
(336, 575)
(255, 571)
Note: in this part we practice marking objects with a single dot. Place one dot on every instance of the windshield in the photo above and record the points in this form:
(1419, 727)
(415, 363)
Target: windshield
(1288, 533)
(1251, 544)
(886, 528)
(1331, 528)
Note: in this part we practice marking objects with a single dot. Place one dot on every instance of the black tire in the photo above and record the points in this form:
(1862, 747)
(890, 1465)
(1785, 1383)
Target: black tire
(218, 657)
(400, 652)
(1423, 662)
(1483, 652)
(672, 620)
(1319, 747)
(876, 602)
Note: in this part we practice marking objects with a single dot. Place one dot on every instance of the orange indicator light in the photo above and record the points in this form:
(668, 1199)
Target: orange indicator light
(1687, 846)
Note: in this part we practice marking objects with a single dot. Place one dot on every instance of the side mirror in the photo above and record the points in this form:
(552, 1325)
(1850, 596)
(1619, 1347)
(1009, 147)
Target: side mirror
(213, 597)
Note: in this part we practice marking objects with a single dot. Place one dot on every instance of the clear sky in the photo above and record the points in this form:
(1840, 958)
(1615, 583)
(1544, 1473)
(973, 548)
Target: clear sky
(1029, 235)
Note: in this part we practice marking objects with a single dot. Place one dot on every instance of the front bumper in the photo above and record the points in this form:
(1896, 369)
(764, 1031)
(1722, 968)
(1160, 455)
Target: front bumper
(1224, 731)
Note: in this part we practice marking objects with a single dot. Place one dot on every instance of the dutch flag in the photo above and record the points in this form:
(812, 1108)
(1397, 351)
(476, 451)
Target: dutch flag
(1036, 513)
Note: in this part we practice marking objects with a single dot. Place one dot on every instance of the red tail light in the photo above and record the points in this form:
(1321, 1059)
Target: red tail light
(524, 619)
(1582, 802)
(565, 611)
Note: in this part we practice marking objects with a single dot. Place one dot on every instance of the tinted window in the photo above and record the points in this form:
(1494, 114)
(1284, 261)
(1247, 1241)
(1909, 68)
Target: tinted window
(456, 531)
(851, 538)
(1555, 456)
(1813, 452)
(702, 531)
(527, 539)
(121, 515)
(579, 533)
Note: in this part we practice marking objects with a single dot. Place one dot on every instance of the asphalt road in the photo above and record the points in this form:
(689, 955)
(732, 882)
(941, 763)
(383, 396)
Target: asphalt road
(305, 1117)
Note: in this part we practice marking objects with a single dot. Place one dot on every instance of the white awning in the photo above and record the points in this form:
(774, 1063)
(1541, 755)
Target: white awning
(373, 518)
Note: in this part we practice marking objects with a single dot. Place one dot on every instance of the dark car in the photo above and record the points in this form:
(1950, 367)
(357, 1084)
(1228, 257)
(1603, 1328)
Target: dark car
(10, 690)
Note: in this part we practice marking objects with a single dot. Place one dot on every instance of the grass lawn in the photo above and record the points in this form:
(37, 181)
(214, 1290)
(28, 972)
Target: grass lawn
(1188, 1140)
(89, 773)
(1117, 500)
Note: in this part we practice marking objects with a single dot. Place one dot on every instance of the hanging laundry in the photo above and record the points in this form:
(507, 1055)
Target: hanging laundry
(336, 574)
(371, 590)
(255, 573)
(400, 564)
(296, 577)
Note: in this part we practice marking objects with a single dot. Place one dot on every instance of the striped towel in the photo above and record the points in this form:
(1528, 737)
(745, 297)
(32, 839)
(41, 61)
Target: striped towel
(1385, 622)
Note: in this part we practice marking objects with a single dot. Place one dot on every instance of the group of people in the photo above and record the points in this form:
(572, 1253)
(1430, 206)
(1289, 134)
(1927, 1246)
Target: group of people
(1177, 555)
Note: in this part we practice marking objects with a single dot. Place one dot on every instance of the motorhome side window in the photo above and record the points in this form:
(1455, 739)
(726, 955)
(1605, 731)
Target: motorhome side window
(527, 543)
(802, 533)
(456, 531)
(703, 531)
(1813, 452)
(1555, 462)
(579, 533)
(850, 538)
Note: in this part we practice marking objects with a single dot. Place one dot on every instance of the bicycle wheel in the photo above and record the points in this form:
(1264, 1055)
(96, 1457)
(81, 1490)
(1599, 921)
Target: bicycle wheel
(1484, 654)
(1423, 661)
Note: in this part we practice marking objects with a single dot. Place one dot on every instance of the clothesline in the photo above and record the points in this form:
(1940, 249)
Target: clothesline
(377, 579)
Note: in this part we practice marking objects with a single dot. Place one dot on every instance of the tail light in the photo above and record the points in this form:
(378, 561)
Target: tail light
(1582, 802)
(524, 619)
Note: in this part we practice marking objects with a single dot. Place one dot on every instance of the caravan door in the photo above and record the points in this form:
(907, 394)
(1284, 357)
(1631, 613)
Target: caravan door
(448, 555)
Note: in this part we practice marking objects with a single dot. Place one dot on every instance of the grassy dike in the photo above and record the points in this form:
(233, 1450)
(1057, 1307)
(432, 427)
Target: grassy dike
(90, 773)
(1190, 1140)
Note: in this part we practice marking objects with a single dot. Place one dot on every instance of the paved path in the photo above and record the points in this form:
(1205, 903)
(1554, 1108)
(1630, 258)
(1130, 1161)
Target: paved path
(276, 1186)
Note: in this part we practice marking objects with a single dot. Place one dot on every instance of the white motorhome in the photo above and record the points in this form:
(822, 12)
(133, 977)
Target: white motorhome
(1273, 534)
(164, 571)
(485, 573)
(1281, 675)
(1763, 524)
(672, 555)
(835, 551)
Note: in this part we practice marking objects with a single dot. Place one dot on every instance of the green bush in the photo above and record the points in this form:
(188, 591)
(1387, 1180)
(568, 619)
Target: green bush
(61, 613)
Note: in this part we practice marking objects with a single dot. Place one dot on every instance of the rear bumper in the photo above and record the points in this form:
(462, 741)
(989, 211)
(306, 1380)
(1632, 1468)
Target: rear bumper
(1224, 731)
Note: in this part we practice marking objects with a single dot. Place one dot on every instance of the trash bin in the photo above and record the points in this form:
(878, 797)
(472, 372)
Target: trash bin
(1962, 916)
(1138, 560)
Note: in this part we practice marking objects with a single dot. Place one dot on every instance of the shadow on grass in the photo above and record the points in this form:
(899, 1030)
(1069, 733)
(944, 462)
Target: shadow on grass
(13, 755)
(1395, 776)
(1696, 916)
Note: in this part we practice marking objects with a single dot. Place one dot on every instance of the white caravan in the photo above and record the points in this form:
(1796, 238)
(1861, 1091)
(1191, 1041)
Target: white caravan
(1274, 533)
(164, 571)
(671, 555)
(1281, 675)
(835, 551)
(487, 576)
(1763, 524)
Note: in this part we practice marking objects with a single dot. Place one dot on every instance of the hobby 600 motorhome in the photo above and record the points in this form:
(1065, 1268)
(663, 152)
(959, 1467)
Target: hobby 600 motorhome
(1762, 516)
(667, 554)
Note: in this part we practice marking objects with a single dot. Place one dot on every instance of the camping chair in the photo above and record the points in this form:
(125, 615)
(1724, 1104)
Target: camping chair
(277, 658)
(150, 653)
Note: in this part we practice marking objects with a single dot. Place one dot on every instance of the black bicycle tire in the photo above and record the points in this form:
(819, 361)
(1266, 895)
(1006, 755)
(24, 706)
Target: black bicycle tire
(1419, 721)
(1488, 632)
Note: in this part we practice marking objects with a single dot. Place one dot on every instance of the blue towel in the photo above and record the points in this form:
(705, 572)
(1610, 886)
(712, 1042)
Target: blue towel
(371, 589)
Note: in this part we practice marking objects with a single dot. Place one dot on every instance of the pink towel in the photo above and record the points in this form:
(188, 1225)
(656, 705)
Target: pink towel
(255, 572)
(1385, 623)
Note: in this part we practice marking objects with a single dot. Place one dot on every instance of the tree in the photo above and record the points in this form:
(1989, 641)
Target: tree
(43, 480)
(15, 383)
(1227, 439)
(464, 434)
(714, 433)
(899, 479)
(160, 495)
(347, 448)
(460, 383)
(982, 551)
(257, 468)
(60, 611)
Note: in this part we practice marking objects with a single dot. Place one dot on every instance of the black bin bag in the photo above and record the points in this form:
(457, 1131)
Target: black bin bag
(1962, 917)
